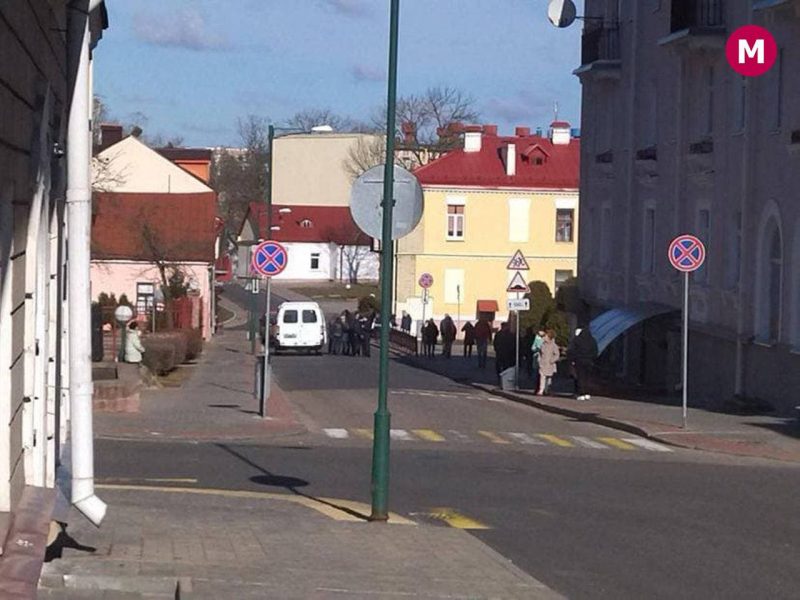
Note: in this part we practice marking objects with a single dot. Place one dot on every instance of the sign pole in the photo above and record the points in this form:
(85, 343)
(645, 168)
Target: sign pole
(267, 376)
(685, 347)
(382, 424)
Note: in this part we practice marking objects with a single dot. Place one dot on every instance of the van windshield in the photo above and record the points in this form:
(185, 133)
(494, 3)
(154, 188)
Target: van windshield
(290, 316)
(309, 316)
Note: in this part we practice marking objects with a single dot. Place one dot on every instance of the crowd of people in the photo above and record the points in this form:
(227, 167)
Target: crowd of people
(349, 334)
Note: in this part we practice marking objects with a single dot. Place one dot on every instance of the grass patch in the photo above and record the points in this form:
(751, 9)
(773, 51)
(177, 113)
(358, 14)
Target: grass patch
(337, 290)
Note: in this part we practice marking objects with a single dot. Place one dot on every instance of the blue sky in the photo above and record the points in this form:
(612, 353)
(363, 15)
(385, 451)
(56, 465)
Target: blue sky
(193, 66)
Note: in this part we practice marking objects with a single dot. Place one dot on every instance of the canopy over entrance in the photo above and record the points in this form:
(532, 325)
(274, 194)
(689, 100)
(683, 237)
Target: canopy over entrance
(613, 323)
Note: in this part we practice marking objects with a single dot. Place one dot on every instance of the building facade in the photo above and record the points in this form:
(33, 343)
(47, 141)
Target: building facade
(675, 141)
(497, 195)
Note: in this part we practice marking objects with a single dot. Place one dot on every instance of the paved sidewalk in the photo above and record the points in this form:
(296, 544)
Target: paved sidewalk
(743, 435)
(216, 402)
(163, 544)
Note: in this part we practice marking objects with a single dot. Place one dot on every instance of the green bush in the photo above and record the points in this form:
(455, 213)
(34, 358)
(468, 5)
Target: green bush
(159, 355)
(541, 304)
(368, 304)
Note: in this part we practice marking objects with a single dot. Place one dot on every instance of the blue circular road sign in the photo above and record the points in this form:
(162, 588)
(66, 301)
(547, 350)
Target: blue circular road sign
(687, 253)
(270, 258)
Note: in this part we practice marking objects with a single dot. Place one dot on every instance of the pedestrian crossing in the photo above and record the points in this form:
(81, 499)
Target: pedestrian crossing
(503, 438)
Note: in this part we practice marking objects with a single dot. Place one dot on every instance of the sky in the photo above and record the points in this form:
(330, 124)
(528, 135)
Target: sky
(190, 68)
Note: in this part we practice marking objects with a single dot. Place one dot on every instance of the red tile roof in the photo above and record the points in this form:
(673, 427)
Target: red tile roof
(181, 226)
(311, 224)
(560, 169)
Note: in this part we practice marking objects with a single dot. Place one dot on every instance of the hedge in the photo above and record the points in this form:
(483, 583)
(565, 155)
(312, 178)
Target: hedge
(159, 355)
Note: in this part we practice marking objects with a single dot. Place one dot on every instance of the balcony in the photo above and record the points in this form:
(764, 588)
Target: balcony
(696, 25)
(600, 52)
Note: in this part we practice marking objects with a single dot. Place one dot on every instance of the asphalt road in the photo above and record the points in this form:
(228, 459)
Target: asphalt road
(590, 517)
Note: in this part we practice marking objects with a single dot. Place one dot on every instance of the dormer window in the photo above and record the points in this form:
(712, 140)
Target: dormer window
(306, 224)
(535, 155)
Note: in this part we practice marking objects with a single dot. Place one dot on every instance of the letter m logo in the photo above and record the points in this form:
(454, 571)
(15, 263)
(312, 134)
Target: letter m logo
(755, 51)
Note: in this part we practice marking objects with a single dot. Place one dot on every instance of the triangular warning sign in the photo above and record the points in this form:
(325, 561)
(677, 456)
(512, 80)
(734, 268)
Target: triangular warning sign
(518, 262)
(518, 284)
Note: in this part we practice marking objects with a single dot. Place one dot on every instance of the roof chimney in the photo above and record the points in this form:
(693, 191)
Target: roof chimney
(472, 138)
(409, 129)
(510, 159)
(490, 130)
(522, 131)
(110, 134)
(560, 133)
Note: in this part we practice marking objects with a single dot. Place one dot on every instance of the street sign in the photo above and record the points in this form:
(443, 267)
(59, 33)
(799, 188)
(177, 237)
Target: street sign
(518, 262)
(562, 13)
(518, 284)
(425, 280)
(687, 253)
(519, 304)
(270, 258)
(366, 202)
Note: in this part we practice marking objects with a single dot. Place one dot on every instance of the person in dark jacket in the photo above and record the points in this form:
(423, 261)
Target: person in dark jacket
(356, 336)
(525, 352)
(347, 332)
(505, 349)
(449, 331)
(429, 336)
(405, 322)
(483, 335)
(337, 329)
(581, 354)
(367, 324)
(469, 338)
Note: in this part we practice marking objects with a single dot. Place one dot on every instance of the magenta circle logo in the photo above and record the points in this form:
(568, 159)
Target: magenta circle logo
(751, 51)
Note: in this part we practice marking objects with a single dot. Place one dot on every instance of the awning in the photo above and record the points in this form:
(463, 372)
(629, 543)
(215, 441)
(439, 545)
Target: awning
(613, 323)
(488, 306)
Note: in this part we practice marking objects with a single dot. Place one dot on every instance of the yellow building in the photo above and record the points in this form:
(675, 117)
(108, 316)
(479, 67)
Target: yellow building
(482, 204)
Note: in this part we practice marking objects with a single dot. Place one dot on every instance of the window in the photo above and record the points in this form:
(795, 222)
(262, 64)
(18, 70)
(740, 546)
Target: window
(703, 232)
(649, 241)
(564, 224)
(315, 261)
(777, 70)
(561, 278)
(306, 224)
(145, 294)
(519, 219)
(710, 99)
(775, 285)
(734, 259)
(290, 316)
(455, 221)
(453, 286)
(309, 316)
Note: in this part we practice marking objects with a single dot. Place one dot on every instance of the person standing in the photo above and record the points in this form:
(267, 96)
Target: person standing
(581, 354)
(337, 329)
(505, 351)
(525, 352)
(448, 329)
(366, 340)
(483, 335)
(357, 335)
(133, 344)
(469, 338)
(347, 332)
(536, 353)
(405, 322)
(430, 335)
(548, 360)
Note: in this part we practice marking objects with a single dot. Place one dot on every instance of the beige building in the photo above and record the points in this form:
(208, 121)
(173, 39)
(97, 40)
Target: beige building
(674, 141)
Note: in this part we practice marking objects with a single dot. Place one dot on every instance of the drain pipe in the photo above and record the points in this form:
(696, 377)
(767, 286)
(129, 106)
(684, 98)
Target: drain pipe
(79, 215)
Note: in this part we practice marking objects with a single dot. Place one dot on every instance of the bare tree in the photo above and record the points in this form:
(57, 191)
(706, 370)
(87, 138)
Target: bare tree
(171, 273)
(308, 118)
(370, 151)
(353, 246)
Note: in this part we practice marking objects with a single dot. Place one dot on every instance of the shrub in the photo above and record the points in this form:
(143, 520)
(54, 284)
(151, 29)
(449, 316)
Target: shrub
(159, 356)
(368, 304)
(194, 343)
(541, 304)
(178, 340)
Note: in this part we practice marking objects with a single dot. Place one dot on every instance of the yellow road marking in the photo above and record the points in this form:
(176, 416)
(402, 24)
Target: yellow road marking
(455, 519)
(330, 507)
(617, 443)
(150, 479)
(428, 434)
(554, 439)
(493, 437)
(365, 433)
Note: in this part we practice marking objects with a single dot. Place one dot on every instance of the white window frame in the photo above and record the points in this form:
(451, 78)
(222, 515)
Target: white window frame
(455, 201)
(572, 230)
(315, 256)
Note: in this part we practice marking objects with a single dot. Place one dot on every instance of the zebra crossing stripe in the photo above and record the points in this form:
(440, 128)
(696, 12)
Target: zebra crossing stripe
(554, 439)
(428, 435)
(524, 438)
(457, 435)
(364, 433)
(339, 434)
(617, 443)
(647, 444)
(589, 443)
(401, 435)
(493, 437)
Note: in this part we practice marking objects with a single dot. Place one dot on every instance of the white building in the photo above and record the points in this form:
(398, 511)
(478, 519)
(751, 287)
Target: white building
(674, 141)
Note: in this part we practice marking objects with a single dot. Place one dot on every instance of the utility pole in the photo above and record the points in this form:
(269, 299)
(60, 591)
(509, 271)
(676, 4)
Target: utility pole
(380, 448)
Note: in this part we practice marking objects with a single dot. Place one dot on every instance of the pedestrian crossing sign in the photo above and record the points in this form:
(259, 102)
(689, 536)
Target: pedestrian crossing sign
(518, 262)
(518, 284)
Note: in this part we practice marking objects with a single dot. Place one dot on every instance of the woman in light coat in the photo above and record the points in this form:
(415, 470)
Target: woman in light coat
(548, 357)
(133, 344)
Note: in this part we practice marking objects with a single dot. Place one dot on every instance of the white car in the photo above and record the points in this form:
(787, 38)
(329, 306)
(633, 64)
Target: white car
(300, 326)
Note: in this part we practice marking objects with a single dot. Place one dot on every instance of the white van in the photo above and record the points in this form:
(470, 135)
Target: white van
(300, 326)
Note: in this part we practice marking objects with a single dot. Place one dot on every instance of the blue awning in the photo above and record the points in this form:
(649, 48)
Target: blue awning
(613, 323)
